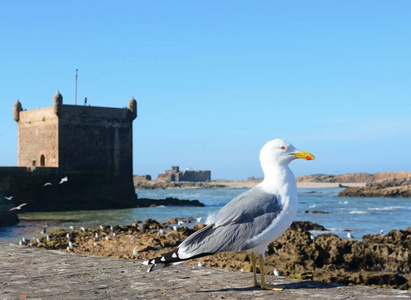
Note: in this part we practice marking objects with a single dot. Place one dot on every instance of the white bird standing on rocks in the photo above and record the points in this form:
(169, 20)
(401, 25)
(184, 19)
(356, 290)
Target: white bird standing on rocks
(250, 221)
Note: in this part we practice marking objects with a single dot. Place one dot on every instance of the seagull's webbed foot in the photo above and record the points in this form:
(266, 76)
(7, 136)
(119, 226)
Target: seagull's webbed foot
(263, 284)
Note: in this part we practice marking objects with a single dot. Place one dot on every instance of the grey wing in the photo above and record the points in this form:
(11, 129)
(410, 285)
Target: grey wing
(235, 224)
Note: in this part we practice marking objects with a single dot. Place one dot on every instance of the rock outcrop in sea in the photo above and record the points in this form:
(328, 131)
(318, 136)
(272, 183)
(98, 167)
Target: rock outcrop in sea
(387, 184)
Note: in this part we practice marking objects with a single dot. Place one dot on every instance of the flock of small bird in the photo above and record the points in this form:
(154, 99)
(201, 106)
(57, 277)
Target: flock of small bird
(107, 233)
(69, 236)
(18, 207)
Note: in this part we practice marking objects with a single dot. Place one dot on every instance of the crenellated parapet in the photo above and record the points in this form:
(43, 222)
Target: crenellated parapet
(16, 111)
(132, 107)
(58, 103)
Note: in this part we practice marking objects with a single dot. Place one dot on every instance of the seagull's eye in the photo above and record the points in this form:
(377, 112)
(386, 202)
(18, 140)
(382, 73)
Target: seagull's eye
(283, 148)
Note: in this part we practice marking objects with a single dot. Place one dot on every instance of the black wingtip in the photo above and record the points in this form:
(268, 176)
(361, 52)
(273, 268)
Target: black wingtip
(163, 260)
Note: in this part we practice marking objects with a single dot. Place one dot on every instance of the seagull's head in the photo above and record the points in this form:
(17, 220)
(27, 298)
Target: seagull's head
(280, 152)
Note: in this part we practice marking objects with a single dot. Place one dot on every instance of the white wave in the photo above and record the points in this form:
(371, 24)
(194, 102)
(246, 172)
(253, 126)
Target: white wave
(343, 202)
(210, 218)
(336, 229)
(359, 212)
(312, 206)
(387, 208)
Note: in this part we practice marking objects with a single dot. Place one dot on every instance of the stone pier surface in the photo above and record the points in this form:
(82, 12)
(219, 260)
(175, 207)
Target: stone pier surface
(36, 273)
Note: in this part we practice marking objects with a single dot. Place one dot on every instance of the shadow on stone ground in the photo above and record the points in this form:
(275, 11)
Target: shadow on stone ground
(37, 273)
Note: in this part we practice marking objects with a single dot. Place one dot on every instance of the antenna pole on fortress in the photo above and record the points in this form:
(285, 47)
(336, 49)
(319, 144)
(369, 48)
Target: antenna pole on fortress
(75, 92)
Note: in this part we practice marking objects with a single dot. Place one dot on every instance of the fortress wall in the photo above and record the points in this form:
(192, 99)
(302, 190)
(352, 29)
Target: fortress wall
(83, 190)
(96, 138)
(195, 176)
(37, 136)
(23, 183)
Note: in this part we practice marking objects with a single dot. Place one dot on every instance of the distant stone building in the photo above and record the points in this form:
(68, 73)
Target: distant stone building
(92, 146)
(187, 175)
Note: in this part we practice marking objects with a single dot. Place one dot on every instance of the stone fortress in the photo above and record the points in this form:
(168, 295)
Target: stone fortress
(91, 146)
(175, 175)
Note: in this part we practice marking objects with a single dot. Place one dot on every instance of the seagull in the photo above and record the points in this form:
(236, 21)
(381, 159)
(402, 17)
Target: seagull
(277, 273)
(47, 183)
(63, 180)
(9, 198)
(135, 252)
(18, 207)
(350, 236)
(251, 220)
(200, 264)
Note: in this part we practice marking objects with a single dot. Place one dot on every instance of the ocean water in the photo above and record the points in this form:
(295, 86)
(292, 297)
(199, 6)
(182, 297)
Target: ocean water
(359, 216)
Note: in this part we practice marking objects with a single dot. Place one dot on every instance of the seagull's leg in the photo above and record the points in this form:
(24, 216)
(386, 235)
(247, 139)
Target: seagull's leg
(263, 284)
(253, 261)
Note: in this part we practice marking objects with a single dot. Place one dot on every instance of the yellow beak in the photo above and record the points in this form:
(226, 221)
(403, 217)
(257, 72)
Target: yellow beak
(304, 155)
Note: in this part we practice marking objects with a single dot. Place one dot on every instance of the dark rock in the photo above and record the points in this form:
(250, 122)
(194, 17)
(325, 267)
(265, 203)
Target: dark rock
(315, 212)
(144, 202)
(305, 225)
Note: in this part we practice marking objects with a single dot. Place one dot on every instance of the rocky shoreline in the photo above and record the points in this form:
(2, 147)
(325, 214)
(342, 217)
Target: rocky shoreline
(388, 184)
(385, 185)
(377, 191)
(377, 260)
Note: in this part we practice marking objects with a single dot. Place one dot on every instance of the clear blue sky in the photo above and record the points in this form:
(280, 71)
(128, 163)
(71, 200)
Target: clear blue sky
(215, 80)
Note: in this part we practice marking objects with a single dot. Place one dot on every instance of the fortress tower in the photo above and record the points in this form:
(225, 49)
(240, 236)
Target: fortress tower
(91, 145)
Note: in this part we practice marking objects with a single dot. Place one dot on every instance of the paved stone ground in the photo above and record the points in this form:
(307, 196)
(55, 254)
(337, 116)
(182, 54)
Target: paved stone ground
(45, 274)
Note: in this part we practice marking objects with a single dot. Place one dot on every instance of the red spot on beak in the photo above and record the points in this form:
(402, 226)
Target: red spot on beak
(308, 157)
